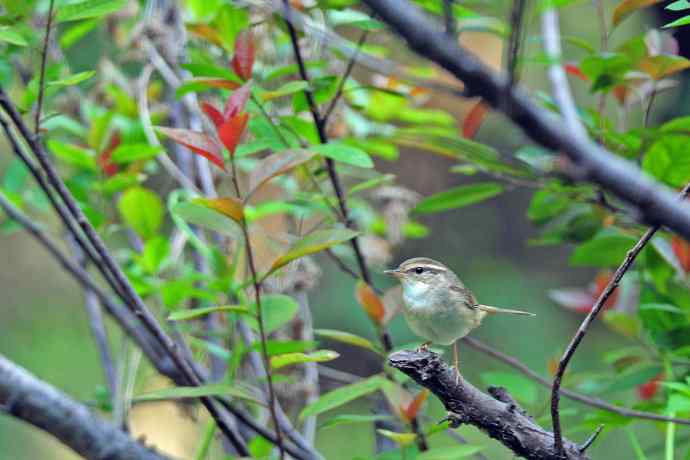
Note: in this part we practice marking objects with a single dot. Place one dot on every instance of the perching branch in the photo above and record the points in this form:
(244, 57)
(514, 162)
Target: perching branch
(496, 413)
(27, 398)
(655, 204)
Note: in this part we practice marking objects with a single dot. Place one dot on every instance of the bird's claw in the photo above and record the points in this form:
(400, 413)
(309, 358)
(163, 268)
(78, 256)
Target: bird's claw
(423, 347)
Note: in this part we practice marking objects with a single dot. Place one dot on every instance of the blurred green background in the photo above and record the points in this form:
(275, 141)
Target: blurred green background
(43, 324)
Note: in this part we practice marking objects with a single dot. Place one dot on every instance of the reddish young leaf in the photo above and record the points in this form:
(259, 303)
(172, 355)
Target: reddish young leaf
(198, 143)
(370, 302)
(648, 390)
(681, 249)
(105, 158)
(231, 131)
(243, 60)
(474, 119)
(237, 100)
(575, 71)
(229, 206)
(581, 300)
(213, 114)
(411, 411)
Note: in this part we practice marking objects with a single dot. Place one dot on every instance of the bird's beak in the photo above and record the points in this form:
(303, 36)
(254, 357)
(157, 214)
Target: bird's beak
(395, 272)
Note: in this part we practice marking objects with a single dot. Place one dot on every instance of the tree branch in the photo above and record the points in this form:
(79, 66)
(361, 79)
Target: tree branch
(42, 74)
(45, 407)
(586, 323)
(575, 396)
(123, 287)
(655, 203)
(496, 414)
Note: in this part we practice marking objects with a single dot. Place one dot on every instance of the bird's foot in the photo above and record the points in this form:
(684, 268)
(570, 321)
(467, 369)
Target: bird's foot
(424, 347)
(454, 420)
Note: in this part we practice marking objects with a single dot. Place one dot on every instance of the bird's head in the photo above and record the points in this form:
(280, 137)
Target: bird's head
(422, 270)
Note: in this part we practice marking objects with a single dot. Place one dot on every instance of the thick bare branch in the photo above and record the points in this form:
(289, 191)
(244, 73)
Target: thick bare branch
(25, 397)
(655, 203)
(495, 414)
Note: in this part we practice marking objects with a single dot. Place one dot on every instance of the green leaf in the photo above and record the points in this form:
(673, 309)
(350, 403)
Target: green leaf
(288, 359)
(546, 205)
(207, 218)
(134, 152)
(10, 35)
(449, 453)
(142, 210)
(343, 395)
(73, 79)
(88, 9)
(281, 347)
(219, 389)
(76, 32)
(667, 160)
(195, 313)
(520, 387)
(311, 244)
(277, 310)
(678, 5)
(684, 21)
(344, 153)
(349, 419)
(156, 250)
(458, 197)
(346, 337)
(73, 155)
(633, 376)
(285, 90)
(602, 251)
(404, 439)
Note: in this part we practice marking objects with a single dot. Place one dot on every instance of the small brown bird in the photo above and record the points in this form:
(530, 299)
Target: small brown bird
(437, 306)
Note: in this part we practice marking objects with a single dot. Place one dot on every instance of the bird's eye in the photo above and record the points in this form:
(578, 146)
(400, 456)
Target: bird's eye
(419, 270)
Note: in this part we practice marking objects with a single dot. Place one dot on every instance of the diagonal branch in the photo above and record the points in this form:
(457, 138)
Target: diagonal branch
(497, 414)
(655, 203)
(42, 71)
(570, 394)
(27, 398)
(123, 287)
(586, 323)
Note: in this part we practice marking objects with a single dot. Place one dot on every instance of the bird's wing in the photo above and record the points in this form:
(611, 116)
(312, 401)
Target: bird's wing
(466, 293)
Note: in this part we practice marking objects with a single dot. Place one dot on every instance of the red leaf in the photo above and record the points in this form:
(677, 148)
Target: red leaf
(681, 249)
(648, 390)
(237, 101)
(231, 131)
(412, 409)
(199, 143)
(370, 302)
(474, 119)
(213, 113)
(575, 71)
(104, 159)
(243, 60)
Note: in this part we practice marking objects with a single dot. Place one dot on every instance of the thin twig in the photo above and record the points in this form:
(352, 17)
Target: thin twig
(343, 79)
(337, 187)
(449, 18)
(517, 14)
(256, 282)
(591, 316)
(570, 394)
(42, 75)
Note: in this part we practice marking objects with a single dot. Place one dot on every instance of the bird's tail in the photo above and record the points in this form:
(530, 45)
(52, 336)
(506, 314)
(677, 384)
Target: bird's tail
(492, 310)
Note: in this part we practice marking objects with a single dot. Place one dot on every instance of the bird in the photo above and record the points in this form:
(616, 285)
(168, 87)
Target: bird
(437, 305)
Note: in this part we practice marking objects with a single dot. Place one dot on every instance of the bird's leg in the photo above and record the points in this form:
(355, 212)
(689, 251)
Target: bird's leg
(424, 347)
(456, 360)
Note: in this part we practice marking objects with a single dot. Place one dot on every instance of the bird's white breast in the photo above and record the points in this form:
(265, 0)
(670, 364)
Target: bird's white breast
(415, 294)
